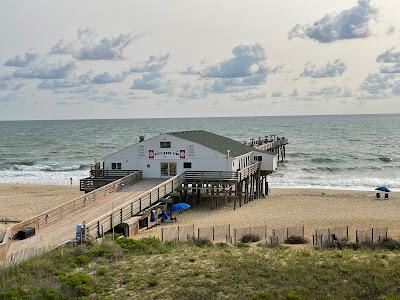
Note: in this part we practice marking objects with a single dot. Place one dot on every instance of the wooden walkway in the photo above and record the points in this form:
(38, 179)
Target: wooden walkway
(64, 229)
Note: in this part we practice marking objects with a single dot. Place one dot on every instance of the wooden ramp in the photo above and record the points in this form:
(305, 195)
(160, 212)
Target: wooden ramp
(64, 229)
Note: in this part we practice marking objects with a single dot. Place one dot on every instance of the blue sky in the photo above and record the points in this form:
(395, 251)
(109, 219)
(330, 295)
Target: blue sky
(133, 59)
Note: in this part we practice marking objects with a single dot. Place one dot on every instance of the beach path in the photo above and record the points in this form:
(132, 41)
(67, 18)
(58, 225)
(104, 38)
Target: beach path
(63, 230)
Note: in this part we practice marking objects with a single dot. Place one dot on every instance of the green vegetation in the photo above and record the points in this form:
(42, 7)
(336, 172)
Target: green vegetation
(149, 269)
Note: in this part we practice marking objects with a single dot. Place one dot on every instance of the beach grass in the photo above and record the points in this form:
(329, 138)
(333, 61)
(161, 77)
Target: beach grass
(149, 269)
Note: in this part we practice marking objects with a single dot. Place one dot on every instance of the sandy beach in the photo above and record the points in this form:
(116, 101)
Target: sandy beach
(21, 201)
(284, 207)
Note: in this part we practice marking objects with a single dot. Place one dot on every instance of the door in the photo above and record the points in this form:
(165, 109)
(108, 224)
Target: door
(167, 169)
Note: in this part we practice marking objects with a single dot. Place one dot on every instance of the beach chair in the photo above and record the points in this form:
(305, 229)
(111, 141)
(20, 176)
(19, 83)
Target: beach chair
(166, 218)
(386, 196)
(378, 195)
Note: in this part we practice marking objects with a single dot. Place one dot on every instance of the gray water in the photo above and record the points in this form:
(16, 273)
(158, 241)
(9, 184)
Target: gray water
(341, 152)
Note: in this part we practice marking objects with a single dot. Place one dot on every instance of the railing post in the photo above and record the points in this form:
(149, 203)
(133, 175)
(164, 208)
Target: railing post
(131, 209)
(140, 204)
(120, 214)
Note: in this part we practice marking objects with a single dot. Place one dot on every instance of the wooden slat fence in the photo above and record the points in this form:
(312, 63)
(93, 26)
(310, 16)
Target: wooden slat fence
(94, 229)
(58, 213)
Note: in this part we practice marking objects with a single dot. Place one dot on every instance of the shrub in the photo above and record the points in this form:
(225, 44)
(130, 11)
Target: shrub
(242, 245)
(81, 282)
(249, 238)
(144, 245)
(82, 260)
(101, 271)
(202, 242)
(153, 281)
(390, 244)
(296, 240)
(48, 293)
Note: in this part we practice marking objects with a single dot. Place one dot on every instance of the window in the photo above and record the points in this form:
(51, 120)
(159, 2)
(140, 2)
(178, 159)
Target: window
(258, 158)
(187, 165)
(168, 169)
(116, 166)
(165, 145)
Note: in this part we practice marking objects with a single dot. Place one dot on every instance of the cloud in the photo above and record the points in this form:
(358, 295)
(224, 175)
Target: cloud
(294, 93)
(377, 84)
(105, 78)
(247, 60)
(233, 85)
(331, 92)
(390, 30)
(276, 94)
(391, 69)
(46, 70)
(351, 23)
(389, 56)
(153, 64)
(335, 69)
(71, 82)
(396, 89)
(88, 47)
(22, 60)
(153, 81)
(192, 92)
(10, 98)
(249, 96)
(10, 85)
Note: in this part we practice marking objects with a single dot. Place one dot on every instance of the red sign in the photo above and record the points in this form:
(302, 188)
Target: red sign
(151, 154)
(182, 154)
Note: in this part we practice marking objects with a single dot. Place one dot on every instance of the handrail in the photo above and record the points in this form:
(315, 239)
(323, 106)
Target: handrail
(56, 214)
(128, 210)
(250, 170)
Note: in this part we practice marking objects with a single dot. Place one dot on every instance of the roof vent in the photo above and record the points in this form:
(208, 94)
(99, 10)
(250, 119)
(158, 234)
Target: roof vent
(141, 138)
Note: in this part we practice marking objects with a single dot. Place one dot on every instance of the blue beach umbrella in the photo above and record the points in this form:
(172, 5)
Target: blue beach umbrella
(382, 188)
(179, 207)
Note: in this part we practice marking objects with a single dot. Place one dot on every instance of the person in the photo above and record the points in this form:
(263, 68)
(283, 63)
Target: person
(70, 180)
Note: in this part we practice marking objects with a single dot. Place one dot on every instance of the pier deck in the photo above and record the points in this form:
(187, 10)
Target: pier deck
(58, 232)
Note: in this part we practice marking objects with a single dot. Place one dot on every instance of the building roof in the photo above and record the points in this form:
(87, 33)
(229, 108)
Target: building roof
(214, 141)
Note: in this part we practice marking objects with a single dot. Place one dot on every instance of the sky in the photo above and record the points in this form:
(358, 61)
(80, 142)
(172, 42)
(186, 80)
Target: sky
(142, 59)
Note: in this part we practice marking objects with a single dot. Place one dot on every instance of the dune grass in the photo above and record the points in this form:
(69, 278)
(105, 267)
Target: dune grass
(149, 269)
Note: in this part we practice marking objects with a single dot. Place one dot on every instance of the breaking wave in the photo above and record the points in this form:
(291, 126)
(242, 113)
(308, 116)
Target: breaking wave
(35, 166)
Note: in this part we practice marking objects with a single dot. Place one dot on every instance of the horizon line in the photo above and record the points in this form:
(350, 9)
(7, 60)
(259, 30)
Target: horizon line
(204, 117)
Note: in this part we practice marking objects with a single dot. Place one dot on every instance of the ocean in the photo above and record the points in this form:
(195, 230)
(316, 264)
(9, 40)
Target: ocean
(355, 152)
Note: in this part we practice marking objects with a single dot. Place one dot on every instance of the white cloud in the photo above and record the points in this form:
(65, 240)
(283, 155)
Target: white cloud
(46, 70)
(389, 56)
(276, 94)
(153, 81)
(88, 47)
(391, 69)
(153, 64)
(348, 24)
(335, 69)
(106, 77)
(396, 89)
(249, 96)
(294, 93)
(331, 92)
(22, 60)
(71, 82)
(247, 60)
(192, 92)
(377, 84)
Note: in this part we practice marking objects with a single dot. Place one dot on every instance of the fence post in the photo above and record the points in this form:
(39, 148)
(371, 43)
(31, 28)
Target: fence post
(198, 232)
(98, 229)
(120, 214)
(178, 233)
(229, 229)
(372, 235)
(213, 233)
(235, 236)
(193, 231)
(347, 232)
(162, 234)
(313, 240)
(357, 236)
(303, 232)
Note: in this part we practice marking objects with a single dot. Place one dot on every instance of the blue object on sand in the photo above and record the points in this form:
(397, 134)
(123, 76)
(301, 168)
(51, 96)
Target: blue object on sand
(382, 188)
(164, 216)
(152, 217)
(179, 207)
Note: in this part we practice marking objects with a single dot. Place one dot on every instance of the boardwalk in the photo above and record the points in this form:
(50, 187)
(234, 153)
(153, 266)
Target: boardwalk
(64, 229)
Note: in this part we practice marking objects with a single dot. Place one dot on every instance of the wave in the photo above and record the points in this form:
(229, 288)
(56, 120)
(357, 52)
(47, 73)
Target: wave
(48, 167)
(385, 159)
(327, 160)
(337, 169)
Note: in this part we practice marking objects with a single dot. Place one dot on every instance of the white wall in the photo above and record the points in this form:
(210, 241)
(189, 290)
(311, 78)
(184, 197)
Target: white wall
(269, 161)
(203, 159)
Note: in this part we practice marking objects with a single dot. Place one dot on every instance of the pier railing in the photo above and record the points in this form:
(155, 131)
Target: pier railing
(246, 172)
(266, 145)
(58, 213)
(118, 215)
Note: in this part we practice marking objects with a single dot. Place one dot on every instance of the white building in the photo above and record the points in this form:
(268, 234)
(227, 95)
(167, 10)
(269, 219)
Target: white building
(172, 153)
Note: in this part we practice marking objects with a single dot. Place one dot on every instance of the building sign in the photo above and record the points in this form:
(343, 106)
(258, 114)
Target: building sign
(181, 154)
